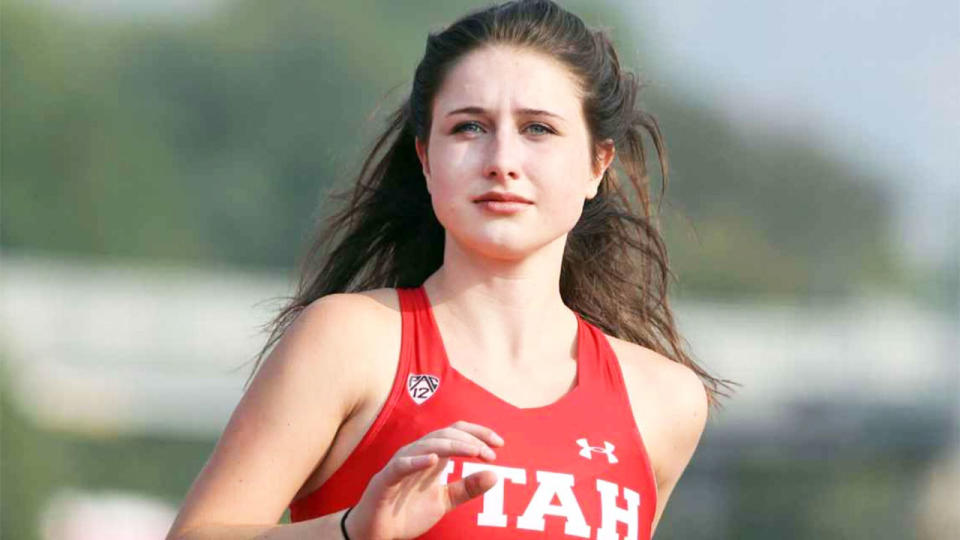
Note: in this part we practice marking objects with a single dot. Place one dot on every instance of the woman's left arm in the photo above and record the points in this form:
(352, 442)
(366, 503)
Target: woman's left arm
(684, 414)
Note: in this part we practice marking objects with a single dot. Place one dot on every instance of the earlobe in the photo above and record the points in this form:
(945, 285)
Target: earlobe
(605, 156)
(422, 156)
(593, 188)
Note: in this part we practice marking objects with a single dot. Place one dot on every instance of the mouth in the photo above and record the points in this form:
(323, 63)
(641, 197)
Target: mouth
(494, 196)
(503, 207)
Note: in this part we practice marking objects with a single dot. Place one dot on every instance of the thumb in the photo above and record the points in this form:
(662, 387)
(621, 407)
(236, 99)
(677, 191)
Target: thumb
(472, 486)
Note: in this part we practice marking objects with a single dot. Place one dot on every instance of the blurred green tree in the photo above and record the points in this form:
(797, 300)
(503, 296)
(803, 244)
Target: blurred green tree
(215, 139)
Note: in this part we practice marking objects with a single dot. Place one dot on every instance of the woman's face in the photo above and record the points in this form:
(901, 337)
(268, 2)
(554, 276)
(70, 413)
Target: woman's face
(509, 121)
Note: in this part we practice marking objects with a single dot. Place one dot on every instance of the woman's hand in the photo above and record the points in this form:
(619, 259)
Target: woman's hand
(405, 498)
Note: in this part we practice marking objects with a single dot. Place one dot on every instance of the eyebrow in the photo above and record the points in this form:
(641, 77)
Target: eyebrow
(481, 110)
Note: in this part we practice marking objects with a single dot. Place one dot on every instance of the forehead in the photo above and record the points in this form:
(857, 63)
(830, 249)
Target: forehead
(520, 78)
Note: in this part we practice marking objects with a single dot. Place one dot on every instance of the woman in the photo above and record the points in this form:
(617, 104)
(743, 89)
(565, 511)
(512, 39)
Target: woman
(489, 214)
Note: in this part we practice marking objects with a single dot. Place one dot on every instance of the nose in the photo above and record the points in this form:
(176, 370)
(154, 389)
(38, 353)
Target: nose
(502, 160)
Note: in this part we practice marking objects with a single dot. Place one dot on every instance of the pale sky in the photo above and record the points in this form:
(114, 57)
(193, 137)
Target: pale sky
(877, 79)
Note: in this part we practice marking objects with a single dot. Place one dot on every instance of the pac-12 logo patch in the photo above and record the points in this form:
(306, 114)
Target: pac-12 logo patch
(421, 387)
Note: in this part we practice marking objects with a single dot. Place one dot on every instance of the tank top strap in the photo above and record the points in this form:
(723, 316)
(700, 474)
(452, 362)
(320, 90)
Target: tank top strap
(422, 349)
(600, 368)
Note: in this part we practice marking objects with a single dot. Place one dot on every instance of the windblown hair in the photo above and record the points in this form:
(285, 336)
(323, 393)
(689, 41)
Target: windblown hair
(614, 273)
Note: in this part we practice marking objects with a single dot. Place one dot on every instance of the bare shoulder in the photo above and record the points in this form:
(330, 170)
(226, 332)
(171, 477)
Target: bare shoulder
(374, 314)
(360, 307)
(668, 399)
(318, 374)
(672, 381)
(362, 323)
(347, 316)
(670, 407)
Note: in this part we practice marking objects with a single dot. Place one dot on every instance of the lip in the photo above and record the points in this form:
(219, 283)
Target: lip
(501, 196)
(504, 208)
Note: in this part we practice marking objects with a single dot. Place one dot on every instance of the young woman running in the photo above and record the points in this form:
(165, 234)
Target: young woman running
(487, 350)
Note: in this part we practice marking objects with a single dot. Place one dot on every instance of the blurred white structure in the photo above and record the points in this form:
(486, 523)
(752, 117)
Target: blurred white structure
(939, 512)
(113, 349)
(108, 515)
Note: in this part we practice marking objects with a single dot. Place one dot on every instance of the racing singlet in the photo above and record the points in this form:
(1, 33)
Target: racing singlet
(576, 468)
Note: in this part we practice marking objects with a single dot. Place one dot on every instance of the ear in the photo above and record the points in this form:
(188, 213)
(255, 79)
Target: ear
(424, 162)
(605, 155)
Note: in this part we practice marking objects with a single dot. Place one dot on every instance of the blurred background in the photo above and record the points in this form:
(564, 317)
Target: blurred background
(163, 164)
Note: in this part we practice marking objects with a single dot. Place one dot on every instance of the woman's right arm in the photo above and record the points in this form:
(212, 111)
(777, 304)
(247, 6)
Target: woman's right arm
(323, 527)
(283, 426)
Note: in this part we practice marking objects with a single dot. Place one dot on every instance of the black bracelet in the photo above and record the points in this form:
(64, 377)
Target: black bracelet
(343, 523)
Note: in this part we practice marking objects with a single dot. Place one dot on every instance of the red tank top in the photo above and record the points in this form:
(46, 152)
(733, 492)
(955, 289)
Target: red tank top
(576, 468)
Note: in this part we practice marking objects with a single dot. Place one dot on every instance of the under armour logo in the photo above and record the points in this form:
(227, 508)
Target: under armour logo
(586, 450)
(421, 387)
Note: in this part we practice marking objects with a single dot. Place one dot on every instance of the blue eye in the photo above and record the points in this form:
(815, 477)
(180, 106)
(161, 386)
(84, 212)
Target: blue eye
(545, 129)
(460, 127)
(540, 129)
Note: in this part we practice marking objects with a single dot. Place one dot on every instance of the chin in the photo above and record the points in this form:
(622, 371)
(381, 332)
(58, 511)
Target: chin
(501, 252)
(504, 247)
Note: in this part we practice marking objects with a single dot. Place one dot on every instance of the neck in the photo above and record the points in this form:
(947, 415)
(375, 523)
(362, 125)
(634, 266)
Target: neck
(508, 311)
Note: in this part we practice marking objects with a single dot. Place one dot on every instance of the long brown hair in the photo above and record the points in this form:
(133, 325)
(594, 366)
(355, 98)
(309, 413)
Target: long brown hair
(614, 272)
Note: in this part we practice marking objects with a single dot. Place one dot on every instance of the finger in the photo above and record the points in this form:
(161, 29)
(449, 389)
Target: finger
(482, 432)
(459, 434)
(402, 466)
(449, 447)
(472, 486)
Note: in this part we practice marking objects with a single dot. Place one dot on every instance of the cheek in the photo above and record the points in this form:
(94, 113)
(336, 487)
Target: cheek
(565, 193)
(566, 205)
(447, 195)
